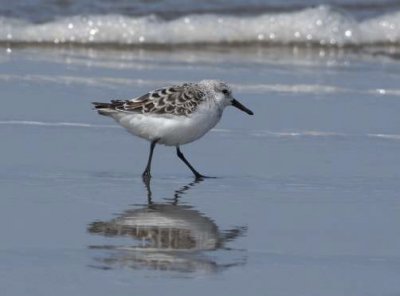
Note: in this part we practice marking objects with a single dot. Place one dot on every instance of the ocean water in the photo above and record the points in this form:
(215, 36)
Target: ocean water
(306, 199)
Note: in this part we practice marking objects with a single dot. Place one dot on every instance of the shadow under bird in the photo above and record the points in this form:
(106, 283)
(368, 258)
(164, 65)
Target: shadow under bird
(174, 115)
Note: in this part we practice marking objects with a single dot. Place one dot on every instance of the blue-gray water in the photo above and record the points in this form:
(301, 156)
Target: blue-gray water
(307, 196)
(46, 10)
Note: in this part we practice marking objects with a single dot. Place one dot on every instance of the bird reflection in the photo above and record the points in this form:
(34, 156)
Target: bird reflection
(167, 236)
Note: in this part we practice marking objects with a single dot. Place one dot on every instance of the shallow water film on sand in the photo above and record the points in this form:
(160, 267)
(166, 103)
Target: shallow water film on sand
(306, 199)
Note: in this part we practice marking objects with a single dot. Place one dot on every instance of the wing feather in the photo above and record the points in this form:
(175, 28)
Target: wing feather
(175, 100)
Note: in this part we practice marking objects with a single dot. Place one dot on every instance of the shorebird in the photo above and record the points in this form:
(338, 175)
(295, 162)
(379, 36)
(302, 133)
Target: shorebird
(174, 115)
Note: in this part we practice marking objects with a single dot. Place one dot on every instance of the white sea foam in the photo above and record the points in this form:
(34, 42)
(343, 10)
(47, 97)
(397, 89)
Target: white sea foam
(54, 124)
(251, 133)
(385, 136)
(290, 88)
(104, 82)
(115, 83)
(322, 25)
(297, 134)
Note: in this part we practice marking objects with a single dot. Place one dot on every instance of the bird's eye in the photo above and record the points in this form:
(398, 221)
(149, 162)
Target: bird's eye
(225, 91)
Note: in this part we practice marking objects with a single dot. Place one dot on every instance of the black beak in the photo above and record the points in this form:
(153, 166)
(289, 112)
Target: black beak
(235, 103)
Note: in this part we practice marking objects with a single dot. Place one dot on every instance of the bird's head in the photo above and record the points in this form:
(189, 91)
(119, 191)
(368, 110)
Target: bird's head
(223, 95)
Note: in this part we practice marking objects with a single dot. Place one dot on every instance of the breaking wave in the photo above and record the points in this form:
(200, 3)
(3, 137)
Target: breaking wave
(322, 26)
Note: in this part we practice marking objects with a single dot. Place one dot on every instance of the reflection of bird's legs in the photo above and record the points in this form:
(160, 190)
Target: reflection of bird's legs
(148, 189)
(178, 192)
(185, 188)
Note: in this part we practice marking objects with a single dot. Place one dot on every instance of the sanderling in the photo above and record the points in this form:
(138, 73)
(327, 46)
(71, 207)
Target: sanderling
(174, 115)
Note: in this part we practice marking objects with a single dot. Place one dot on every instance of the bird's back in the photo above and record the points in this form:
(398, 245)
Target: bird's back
(178, 100)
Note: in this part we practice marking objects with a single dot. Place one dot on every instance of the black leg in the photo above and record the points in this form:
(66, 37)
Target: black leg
(182, 157)
(146, 174)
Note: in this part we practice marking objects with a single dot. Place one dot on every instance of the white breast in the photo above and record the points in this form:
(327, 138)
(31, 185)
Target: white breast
(171, 130)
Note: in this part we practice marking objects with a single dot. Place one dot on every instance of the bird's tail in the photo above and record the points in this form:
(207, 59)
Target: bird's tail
(103, 108)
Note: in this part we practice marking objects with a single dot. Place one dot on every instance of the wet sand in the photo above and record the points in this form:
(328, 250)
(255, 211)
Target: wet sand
(306, 201)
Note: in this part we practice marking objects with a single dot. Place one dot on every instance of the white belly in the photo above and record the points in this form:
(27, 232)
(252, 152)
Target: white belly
(172, 130)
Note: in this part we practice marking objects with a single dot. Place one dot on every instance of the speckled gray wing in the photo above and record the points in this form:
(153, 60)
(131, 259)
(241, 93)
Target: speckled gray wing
(179, 100)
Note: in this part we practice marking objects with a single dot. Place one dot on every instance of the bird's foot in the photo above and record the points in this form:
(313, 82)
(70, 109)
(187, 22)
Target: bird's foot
(202, 177)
